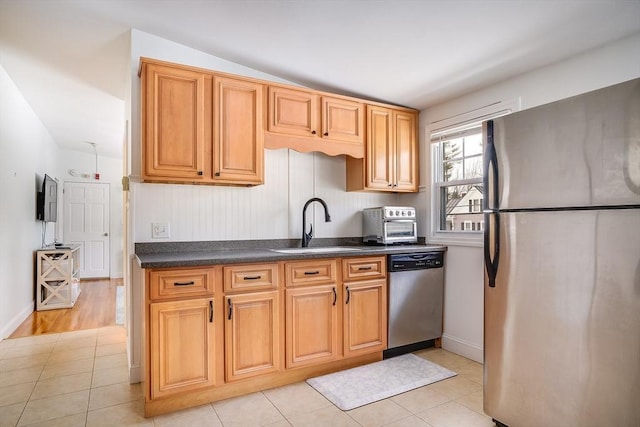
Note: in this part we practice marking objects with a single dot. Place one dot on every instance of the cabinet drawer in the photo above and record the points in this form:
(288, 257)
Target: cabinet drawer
(315, 272)
(168, 284)
(250, 277)
(364, 268)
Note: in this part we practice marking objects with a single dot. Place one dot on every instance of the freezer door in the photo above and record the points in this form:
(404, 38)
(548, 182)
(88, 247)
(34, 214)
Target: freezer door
(581, 151)
(562, 324)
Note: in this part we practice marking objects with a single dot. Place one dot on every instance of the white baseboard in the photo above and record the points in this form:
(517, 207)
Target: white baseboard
(135, 374)
(16, 321)
(463, 348)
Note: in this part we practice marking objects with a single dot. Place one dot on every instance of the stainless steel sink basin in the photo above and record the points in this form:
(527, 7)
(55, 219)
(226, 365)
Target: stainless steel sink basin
(315, 250)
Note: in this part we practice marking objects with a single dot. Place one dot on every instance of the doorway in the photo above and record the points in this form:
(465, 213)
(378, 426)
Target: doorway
(86, 222)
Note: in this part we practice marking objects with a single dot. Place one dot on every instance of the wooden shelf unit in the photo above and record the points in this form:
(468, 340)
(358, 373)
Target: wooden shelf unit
(57, 278)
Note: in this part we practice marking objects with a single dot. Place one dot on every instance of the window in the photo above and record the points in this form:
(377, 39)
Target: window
(458, 179)
(456, 174)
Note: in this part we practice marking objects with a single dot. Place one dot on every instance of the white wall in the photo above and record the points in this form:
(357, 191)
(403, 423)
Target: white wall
(269, 211)
(27, 152)
(110, 170)
(605, 66)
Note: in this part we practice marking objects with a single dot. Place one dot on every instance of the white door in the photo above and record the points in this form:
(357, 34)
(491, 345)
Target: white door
(86, 222)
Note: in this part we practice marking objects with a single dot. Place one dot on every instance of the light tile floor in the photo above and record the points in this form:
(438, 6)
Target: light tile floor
(80, 379)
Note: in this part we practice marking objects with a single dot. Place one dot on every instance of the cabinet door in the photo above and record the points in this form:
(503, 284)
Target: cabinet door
(342, 120)
(406, 151)
(293, 112)
(174, 122)
(238, 135)
(252, 335)
(311, 325)
(365, 317)
(379, 156)
(181, 346)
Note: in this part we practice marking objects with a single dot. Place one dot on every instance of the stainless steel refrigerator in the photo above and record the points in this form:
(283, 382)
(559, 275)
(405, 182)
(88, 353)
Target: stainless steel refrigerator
(562, 262)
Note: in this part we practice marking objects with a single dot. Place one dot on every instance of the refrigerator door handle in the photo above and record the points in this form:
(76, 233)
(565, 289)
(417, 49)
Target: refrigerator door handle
(491, 239)
(491, 205)
(491, 175)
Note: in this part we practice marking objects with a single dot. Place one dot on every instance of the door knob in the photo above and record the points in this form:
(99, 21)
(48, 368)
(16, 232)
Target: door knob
(105, 234)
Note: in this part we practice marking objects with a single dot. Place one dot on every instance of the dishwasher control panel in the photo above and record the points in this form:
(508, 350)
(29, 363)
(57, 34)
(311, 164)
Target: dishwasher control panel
(415, 261)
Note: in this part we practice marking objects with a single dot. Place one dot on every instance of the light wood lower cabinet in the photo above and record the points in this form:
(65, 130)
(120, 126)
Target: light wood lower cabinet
(222, 331)
(182, 346)
(311, 325)
(252, 335)
(365, 317)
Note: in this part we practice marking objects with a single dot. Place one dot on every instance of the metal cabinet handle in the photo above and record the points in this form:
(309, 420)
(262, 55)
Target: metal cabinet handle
(326, 134)
(313, 132)
(184, 283)
(230, 308)
(252, 277)
(217, 174)
(335, 296)
(348, 295)
(210, 311)
(364, 268)
(311, 273)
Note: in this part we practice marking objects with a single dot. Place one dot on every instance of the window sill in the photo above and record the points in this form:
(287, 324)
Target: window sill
(475, 241)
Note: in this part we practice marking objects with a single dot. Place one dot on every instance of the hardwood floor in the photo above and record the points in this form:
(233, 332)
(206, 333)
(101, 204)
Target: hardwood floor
(95, 308)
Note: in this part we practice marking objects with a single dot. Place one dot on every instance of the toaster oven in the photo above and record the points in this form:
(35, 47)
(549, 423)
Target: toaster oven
(387, 225)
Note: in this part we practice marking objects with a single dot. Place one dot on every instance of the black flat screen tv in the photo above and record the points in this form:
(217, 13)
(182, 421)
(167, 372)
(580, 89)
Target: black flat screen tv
(48, 200)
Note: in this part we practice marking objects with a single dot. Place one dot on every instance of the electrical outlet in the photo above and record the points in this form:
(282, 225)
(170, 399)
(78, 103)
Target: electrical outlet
(160, 230)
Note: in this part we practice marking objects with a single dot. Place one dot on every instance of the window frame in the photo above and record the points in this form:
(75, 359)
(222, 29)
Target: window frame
(458, 125)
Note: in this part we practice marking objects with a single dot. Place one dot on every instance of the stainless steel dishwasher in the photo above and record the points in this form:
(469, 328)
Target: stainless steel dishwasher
(416, 294)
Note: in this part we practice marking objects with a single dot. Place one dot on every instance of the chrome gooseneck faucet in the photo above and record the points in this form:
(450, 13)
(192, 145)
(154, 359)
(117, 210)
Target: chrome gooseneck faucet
(306, 237)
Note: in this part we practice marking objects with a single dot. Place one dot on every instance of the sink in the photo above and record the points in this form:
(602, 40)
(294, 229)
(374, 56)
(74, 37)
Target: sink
(315, 250)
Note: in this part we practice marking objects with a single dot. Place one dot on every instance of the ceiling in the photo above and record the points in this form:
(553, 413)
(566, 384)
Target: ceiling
(69, 58)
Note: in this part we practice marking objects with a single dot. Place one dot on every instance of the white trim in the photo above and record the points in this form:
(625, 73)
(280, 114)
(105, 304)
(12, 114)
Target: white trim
(135, 374)
(463, 348)
(17, 320)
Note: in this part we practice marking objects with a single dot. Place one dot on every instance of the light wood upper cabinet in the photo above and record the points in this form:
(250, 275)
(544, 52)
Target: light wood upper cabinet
(238, 136)
(182, 346)
(342, 120)
(252, 335)
(309, 121)
(200, 127)
(406, 151)
(391, 158)
(174, 122)
(293, 112)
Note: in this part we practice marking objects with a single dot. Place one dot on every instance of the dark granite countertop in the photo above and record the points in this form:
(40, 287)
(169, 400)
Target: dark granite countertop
(186, 254)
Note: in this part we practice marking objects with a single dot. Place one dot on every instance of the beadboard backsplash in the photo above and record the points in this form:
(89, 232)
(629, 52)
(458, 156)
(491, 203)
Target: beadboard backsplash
(269, 211)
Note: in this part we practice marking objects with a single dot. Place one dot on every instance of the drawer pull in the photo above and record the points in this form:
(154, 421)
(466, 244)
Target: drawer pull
(335, 296)
(184, 283)
(230, 308)
(210, 311)
(252, 277)
(311, 273)
(348, 295)
(364, 268)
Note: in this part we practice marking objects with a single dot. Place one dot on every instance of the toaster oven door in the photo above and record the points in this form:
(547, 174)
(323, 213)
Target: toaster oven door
(400, 231)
